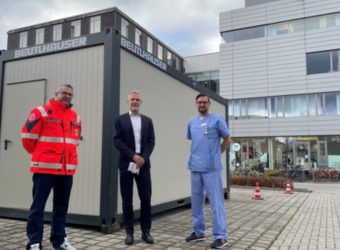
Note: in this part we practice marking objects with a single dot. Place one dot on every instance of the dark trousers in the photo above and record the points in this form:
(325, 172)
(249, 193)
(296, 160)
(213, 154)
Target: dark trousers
(42, 185)
(143, 181)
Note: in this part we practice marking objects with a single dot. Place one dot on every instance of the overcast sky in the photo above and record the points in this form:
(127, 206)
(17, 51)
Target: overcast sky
(190, 27)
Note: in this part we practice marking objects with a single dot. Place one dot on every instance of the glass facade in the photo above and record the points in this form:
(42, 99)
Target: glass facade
(306, 24)
(285, 106)
(287, 153)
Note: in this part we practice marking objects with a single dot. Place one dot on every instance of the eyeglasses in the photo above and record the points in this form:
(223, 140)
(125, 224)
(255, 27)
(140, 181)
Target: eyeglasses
(202, 102)
(66, 93)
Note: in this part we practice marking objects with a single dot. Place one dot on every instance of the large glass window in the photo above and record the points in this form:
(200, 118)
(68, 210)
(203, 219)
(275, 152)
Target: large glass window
(296, 106)
(39, 36)
(318, 62)
(332, 104)
(310, 23)
(23, 39)
(149, 45)
(285, 28)
(75, 28)
(57, 32)
(138, 37)
(95, 24)
(257, 108)
(125, 28)
(249, 33)
(209, 79)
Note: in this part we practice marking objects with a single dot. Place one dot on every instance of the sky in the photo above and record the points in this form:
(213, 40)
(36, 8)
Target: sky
(190, 27)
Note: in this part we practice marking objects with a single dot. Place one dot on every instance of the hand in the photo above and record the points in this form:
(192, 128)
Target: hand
(138, 160)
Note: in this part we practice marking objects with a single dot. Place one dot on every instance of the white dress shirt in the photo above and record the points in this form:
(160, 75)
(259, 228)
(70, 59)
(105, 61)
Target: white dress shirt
(137, 126)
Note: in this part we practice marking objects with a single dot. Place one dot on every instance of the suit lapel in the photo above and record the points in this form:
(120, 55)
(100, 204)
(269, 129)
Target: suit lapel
(129, 127)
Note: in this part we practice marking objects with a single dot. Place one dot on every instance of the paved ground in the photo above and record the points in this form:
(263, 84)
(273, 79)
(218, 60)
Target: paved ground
(303, 220)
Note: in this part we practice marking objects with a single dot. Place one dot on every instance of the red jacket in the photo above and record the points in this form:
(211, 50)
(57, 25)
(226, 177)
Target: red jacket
(51, 134)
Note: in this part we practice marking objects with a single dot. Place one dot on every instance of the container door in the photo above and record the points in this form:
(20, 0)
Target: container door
(15, 178)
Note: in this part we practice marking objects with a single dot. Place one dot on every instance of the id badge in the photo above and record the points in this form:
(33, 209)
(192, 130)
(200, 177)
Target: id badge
(204, 127)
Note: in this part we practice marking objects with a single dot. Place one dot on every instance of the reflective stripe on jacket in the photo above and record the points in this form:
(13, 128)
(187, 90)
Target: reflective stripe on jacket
(51, 134)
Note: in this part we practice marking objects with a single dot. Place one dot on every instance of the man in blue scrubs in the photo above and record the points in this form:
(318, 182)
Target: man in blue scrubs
(209, 137)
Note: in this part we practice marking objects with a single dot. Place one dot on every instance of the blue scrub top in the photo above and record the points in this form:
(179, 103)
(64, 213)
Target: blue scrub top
(205, 134)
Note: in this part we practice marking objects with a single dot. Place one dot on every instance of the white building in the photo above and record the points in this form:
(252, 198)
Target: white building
(280, 69)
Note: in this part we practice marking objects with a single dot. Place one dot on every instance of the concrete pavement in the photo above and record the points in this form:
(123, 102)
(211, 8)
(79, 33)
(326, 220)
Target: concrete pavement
(303, 220)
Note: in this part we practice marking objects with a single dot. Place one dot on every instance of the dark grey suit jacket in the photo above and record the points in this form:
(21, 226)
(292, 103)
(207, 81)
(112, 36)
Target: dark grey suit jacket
(125, 141)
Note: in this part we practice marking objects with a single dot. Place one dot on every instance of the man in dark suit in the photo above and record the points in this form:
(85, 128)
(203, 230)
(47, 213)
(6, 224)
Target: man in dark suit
(135, 140)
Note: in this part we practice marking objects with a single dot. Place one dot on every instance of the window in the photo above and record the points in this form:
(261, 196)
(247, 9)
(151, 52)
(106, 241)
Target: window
(332, 104)
(240, 109)
(296, 106)
(23, 40)
(149, 45)
(138, 37)
(209, 79)
(39, 36)
(322, 62)
(285, 28)
(160, 52)
(312, 105)
(257, 108)
(57, 31)
(231, 109)
(311, 23)
(75, 28)
(249, 33)
(318, 62)
(125, 28)
(168, 57)
(95, 24)
(319, 104)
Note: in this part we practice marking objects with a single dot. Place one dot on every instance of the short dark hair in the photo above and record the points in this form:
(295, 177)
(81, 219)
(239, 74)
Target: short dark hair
(202, 95)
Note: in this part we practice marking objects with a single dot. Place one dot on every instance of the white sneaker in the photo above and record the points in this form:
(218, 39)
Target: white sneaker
(35, 246)
(65, 246)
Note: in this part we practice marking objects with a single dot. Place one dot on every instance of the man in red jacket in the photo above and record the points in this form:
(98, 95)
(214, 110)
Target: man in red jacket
(51, 135)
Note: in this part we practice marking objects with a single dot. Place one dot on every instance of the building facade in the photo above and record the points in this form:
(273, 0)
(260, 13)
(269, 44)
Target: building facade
(91, 23)
(280, 70)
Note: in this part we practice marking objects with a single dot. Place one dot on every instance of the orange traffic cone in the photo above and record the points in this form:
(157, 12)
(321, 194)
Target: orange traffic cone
(288, 188)
(257, 195)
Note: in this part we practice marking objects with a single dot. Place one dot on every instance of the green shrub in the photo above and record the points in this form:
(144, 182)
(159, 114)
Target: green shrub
(264, 181)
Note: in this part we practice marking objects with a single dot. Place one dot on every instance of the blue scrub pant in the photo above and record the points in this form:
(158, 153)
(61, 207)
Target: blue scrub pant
(42, 186)
(209, 183)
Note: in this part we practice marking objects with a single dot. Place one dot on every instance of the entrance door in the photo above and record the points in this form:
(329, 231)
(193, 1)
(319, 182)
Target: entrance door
(301, 154)
(15, 179)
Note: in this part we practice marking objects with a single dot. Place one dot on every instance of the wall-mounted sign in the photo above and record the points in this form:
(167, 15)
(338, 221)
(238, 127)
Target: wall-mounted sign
(142, 53)
(50, 47)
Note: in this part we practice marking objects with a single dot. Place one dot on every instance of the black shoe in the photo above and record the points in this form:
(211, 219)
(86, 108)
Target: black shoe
(147, 238)
(194, 238)
(129, 239)
(219, 243)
